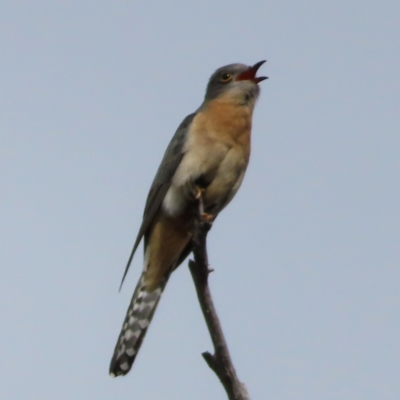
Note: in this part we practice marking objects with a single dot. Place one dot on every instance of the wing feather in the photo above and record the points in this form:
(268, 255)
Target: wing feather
(161, 183)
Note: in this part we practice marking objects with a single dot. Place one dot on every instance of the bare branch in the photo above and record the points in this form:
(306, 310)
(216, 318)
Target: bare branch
(220, 362)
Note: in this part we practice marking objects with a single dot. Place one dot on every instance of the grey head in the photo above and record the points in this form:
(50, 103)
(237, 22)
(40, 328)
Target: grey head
(236, 82)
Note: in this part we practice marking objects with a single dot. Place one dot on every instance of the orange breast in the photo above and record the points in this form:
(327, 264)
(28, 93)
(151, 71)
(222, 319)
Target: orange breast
(224, 122)
(224, 129)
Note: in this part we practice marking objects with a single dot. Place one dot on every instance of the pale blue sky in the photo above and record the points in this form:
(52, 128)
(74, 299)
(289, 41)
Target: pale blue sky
(306, 257)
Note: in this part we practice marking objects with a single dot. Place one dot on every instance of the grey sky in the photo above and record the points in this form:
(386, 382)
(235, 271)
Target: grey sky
(306, 257)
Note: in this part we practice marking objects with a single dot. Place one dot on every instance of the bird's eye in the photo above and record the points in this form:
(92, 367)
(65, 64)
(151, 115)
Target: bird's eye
(225, 78)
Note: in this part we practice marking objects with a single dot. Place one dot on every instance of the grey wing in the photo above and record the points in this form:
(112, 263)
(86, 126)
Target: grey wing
(161, 183)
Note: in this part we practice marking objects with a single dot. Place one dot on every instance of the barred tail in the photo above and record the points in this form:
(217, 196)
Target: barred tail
(138, 318)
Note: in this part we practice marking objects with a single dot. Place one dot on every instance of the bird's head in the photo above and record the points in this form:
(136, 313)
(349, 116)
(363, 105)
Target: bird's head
(235, 82)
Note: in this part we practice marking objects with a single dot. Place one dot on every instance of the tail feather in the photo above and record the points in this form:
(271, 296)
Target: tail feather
(137, 320)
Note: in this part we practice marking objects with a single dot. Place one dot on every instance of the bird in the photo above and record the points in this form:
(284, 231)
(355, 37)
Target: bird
(206, 158)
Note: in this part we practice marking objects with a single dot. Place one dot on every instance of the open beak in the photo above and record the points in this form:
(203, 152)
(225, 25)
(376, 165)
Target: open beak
(250, 74)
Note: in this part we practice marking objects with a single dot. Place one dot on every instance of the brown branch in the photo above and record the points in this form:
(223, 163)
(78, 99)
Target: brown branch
(220, 362)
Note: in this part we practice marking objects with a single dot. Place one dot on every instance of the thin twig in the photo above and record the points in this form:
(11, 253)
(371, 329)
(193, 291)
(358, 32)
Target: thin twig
(220, 362)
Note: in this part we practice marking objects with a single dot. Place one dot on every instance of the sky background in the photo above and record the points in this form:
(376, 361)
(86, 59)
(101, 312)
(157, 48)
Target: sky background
(306, 257)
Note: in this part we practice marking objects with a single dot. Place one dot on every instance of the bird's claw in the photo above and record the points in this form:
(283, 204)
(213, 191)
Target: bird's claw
(207, 217)
(198, 192)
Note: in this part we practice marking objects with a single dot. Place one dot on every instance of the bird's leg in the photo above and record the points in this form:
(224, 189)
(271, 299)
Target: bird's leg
(207, 217)
(197, 193)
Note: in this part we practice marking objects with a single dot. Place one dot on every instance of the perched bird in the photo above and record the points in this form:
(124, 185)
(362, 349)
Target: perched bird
(207, 158)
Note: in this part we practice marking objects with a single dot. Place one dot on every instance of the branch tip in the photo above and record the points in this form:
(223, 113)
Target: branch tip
(220, 362)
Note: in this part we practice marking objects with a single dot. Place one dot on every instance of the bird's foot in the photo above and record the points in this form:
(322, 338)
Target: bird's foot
(197, 192)
(207, 218)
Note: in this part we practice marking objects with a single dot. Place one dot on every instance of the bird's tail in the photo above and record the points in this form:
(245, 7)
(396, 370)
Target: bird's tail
(138, 318)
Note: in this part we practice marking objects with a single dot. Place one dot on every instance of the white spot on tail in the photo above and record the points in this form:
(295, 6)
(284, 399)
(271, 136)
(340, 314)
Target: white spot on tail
(130, 352)
(144, 323)
(124, 366)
